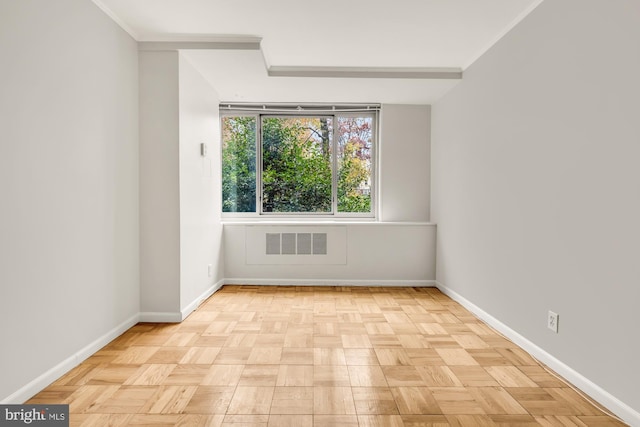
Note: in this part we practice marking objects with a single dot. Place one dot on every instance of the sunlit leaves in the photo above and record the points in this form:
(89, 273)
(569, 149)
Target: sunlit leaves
(238, 164)
(296, 164)
(355, 140)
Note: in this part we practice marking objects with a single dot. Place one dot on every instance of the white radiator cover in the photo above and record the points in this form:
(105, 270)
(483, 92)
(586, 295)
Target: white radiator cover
(296, 245)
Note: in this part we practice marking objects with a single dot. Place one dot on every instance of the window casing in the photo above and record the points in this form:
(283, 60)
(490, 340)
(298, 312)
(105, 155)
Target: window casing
(302, 161)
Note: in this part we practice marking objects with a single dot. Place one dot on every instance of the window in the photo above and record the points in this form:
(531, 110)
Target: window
(298, 161)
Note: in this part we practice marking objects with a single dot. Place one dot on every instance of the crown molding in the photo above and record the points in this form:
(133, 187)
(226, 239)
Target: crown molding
(366, 72)
(115, 18)
(502, 33)
(231, 44)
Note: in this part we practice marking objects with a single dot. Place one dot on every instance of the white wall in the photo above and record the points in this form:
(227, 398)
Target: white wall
(181, 233)
(535, 186)
(69, 173)
(159, 186)
(405, 149)
(200, 194)
(377, 254)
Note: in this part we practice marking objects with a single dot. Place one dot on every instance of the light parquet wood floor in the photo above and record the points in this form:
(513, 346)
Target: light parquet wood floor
(319, 356)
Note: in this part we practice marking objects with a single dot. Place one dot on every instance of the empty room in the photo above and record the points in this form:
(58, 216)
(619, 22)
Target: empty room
(296, 213)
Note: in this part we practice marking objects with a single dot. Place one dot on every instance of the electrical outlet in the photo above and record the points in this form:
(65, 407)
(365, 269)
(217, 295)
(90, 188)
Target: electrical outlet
(210, 270)
(552, 321)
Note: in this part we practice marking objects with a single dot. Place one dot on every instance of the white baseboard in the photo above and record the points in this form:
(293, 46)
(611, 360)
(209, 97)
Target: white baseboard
(621, 409)
(332, 282)
(196, 302)
(161, 316)
(48, 377)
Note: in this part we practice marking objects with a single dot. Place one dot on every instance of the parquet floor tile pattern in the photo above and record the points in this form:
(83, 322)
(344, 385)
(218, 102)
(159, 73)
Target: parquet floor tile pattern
(319, 356)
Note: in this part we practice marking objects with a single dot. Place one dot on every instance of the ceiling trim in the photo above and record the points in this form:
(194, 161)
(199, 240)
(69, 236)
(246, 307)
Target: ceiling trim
(502, 33)
(115, 18)
(365, 72)
(249, 43)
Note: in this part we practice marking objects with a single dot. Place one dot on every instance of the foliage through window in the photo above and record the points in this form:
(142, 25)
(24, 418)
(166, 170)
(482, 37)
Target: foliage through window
(277, 163)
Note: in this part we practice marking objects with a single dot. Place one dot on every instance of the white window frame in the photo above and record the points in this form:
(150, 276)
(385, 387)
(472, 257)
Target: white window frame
(302, 110)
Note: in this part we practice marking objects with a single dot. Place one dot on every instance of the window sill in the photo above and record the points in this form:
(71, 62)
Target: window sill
(315, 221)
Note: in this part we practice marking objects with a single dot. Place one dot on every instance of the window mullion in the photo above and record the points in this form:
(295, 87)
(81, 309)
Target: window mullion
(334, 168)
(259, 148)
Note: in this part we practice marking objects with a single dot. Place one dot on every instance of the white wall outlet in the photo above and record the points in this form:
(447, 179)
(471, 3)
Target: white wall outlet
(210, 270)
(552, 321)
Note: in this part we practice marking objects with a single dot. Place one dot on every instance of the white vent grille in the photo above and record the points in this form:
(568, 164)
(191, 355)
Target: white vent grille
(319, 243)
(296, 245)
(289, 244)
(273, 244)
(304, 244)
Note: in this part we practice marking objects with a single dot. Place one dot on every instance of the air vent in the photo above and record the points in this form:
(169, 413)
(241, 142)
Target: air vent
(319, 243)
(296, 243)
(273, 243)
(289, 243)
